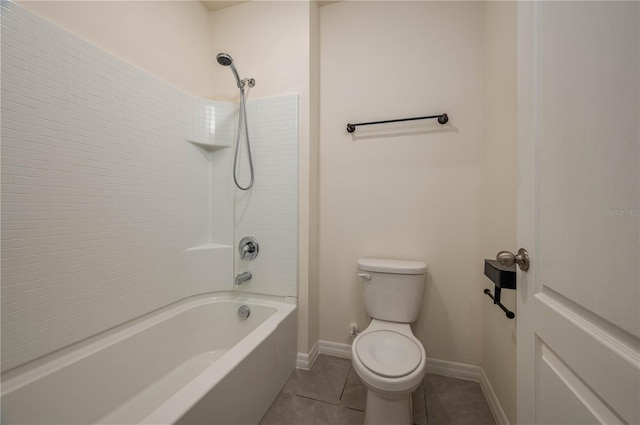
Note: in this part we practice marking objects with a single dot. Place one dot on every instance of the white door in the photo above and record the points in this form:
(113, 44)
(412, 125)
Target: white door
(578, 212)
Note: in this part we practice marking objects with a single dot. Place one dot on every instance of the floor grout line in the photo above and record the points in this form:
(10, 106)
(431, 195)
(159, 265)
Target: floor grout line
(315, 399)
(344, 386)
(424, 396)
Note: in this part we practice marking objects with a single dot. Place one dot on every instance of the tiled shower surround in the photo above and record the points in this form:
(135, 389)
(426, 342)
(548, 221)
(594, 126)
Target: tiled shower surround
(269, 211)
(108, 212)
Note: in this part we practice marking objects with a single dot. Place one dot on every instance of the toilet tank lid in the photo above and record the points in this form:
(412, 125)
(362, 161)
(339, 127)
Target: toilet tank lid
(391, 266)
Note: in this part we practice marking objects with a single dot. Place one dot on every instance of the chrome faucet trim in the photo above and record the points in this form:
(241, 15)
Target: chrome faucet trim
(245, 250)
(248, 248)
(243, 277)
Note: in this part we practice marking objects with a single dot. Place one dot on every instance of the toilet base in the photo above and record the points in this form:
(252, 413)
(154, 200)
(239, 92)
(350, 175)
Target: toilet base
(382, 410)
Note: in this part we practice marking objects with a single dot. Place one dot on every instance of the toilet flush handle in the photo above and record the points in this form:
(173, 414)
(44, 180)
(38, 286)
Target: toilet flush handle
(365, 276)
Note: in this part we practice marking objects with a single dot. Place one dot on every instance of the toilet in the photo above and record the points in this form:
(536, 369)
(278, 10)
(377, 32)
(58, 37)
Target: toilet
(387, 357)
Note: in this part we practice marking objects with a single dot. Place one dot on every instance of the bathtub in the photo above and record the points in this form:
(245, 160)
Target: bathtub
(194, 361)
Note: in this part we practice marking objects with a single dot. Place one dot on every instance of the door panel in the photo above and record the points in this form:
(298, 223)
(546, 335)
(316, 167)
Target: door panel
(564, 399)
(605, 364)
(589, 156)
(579, 212)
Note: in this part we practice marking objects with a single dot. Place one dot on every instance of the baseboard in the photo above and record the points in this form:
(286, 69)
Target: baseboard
(454, 370)
(434, 366)
(492, 400)
(305, 361)
(470, 373)
(335, 349)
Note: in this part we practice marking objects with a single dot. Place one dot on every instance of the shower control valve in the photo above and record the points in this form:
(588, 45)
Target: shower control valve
(248, 248)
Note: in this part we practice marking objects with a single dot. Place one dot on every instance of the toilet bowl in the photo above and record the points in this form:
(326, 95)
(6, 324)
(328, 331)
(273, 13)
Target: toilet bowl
(389, 360)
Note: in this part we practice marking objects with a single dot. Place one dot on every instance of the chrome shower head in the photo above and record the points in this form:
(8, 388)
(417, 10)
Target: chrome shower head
(224, 59)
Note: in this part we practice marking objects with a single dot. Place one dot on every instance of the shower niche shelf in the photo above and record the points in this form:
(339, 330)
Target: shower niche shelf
(209, 146)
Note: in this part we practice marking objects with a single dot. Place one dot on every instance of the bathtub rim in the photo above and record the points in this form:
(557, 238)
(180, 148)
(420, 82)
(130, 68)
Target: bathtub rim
(25, 374)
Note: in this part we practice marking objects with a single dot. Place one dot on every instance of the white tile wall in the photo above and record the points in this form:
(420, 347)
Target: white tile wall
(269, 211)
(101, 194)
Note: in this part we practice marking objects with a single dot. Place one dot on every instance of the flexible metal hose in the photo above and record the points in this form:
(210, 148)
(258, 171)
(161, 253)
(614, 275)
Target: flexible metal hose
(242, 117)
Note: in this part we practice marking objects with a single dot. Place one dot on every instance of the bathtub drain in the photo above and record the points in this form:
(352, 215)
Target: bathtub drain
(244, 312)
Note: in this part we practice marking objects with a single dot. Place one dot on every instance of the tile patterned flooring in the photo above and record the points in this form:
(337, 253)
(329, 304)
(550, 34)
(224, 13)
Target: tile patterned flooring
(331, 394)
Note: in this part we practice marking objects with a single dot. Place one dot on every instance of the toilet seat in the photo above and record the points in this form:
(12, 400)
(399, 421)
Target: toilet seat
(388, 353)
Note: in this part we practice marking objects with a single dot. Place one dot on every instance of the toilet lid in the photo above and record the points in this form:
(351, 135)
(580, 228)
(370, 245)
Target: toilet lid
(388, 353)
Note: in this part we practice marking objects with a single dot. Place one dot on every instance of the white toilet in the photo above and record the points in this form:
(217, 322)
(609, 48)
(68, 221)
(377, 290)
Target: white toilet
(387, 357)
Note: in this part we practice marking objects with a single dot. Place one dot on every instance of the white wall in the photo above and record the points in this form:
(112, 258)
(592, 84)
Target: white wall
(271, 41)
(269, 210)
(178, 41)
(411, 190)
(498, 217)
(105, 204)
(169, 39)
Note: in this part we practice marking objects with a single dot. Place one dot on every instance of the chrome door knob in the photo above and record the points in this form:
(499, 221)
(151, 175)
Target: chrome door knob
(508, 259)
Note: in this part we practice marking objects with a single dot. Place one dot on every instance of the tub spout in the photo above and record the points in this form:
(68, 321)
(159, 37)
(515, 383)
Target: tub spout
(243, 277)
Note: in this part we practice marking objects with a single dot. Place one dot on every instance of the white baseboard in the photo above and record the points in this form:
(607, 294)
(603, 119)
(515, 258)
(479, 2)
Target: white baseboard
(434, 366)
(335, 349)
(492, 400)
(470, 373)
(305, 361)
(454, 370)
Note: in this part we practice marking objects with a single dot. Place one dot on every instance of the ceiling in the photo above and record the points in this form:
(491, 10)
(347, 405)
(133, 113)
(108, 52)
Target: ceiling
(213, 5)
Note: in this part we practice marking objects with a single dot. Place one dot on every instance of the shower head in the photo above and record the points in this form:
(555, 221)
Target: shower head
(224, 59)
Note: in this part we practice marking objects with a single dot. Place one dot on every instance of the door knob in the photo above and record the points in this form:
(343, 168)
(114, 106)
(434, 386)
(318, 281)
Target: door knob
(508, 259)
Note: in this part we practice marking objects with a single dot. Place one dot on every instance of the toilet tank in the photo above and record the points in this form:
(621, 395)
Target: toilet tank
(392, 289)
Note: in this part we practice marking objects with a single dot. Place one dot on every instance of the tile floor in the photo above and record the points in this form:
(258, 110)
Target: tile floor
(331, 394)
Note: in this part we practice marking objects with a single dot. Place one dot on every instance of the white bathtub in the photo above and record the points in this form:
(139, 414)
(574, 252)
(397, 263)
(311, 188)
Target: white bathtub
(195, 362)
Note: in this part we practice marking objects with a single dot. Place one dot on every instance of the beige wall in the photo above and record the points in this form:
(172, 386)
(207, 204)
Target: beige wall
(498, 219)
(272, 42)
(412, 190)
(170, 40)
(314, 181)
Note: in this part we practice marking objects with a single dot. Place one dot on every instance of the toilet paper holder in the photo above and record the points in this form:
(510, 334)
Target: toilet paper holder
(502, 277)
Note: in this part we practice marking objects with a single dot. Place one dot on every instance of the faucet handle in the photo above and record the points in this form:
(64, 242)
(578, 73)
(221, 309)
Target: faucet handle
(248, 248)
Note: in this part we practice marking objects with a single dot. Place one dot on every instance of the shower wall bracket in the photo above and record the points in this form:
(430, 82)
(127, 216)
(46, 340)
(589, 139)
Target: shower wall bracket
(442, 119)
